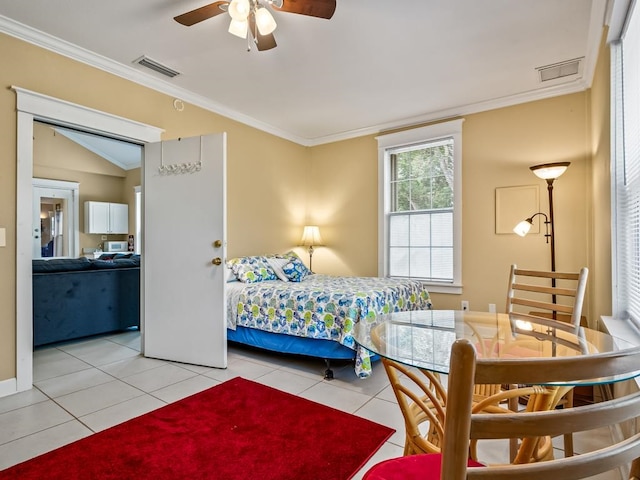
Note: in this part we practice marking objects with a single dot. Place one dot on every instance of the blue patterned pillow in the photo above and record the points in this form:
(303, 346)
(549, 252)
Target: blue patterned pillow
(290, 255)
(251, 269)
(295, 270)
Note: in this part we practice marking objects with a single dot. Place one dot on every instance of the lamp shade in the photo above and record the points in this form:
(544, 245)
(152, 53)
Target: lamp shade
(265, 22)
(311, 236)
(523, 227)
(239, 9)
(239, 28)
(550, 171)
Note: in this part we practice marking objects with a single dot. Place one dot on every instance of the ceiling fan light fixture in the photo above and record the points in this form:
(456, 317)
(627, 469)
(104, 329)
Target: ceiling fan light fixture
(265, 21)
(239, 9)
(253, 19)
(239, 28)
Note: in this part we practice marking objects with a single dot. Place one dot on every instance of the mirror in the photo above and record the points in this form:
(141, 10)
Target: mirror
(55, 218)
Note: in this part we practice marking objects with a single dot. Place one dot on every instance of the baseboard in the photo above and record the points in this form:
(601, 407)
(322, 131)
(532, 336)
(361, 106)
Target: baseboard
(8, 387)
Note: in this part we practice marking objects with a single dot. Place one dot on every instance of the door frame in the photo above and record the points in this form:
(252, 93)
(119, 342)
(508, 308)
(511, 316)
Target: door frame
(32, 106)
(72, 230)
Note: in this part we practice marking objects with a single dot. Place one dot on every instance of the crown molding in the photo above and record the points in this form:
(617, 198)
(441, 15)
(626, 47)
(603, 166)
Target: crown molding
(56, 45)
(69, 50)
(577, 85)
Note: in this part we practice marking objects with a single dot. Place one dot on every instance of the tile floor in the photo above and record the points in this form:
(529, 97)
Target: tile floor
(85, 386)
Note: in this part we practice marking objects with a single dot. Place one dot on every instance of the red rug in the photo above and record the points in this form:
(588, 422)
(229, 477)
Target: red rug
(237, 430)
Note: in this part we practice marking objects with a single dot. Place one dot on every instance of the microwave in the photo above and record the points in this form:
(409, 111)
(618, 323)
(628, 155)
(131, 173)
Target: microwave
(122, 246)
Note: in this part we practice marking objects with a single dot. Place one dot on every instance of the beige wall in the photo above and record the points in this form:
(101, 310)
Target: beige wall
(275, 186)
(267, 193)
(498, 148)
(56, 157)
(343, 203)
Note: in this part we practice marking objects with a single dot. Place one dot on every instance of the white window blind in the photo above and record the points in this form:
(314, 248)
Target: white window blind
(625, 59)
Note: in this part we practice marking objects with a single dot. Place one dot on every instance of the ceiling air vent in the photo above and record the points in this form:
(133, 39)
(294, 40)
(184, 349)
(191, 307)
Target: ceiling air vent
(561, 69)
(156, 66)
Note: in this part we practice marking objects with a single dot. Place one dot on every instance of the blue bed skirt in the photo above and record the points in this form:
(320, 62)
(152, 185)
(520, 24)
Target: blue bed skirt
(282, 343)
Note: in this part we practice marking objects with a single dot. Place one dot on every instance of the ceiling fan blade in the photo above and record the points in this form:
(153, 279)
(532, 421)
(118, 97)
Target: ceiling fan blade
(312, 8)
(263, 42)
(266, 42)
(202, 13)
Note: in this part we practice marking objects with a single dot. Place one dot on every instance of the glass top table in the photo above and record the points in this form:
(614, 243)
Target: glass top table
(424, 338)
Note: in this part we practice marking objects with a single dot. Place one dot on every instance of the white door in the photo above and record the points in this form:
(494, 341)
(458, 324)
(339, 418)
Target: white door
(184, 217)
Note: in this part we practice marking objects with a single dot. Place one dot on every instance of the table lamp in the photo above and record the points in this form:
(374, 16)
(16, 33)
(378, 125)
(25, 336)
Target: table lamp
(310, 238)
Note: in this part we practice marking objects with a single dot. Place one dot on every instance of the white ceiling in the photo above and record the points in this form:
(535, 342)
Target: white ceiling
(376, 65)
(123, 154)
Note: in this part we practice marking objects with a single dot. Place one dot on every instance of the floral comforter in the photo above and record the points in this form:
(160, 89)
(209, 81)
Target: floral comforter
(324, 307)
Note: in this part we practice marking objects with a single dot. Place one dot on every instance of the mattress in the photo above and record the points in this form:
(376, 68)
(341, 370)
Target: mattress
(322, 307)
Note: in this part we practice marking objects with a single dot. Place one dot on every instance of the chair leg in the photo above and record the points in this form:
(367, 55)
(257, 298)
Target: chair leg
(407, 447)
(568, 445)
(568, 437)
(513, 442)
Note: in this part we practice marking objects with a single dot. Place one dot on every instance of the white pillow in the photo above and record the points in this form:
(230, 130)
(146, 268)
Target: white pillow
(229, 275)
(277, 264)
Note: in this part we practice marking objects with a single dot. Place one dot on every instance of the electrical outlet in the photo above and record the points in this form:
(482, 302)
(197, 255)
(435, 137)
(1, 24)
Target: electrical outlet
(492, 308)
(104, 237)
(465, 304)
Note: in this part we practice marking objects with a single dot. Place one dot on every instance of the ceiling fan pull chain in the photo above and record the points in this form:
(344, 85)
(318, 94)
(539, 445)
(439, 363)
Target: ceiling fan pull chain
(255, 28)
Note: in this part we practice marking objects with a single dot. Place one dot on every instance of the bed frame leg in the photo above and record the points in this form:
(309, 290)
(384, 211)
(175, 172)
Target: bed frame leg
(328, 373)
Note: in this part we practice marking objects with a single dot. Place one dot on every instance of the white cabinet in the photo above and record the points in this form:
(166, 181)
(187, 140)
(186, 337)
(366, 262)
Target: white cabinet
(103, 217)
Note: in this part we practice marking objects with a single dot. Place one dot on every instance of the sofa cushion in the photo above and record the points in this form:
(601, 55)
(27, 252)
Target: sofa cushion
(102, 264)
(127, 262)
(61, 265)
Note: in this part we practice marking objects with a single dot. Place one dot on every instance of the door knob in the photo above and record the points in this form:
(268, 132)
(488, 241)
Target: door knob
(217, 261)
(217, 243)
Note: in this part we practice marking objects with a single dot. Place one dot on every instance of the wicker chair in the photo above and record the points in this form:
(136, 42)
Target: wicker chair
(463, 426)
(422, 400)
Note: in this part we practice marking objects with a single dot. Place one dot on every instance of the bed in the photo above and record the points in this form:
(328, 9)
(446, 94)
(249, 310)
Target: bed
(276, 304)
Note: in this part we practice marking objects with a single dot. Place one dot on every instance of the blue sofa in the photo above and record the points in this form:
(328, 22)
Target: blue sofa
(78, 297)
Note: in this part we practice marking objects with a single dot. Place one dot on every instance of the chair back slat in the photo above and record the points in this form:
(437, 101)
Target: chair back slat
(543, 305)
(544, 274)
(567, 292)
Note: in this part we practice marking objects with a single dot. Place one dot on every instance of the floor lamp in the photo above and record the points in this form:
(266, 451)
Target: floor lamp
(548, 172)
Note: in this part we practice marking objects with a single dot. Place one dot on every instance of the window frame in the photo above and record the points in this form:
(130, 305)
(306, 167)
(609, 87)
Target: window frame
(431, 133)
(625, 283)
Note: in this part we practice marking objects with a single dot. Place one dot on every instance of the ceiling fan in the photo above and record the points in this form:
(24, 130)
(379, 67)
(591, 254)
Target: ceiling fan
(251, 17)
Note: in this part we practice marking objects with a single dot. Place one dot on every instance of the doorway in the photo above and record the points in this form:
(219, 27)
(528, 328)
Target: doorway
(32, 106)
(55, 218)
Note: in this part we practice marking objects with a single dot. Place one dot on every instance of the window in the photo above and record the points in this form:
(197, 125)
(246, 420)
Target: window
(420, 205)
(625, 143)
